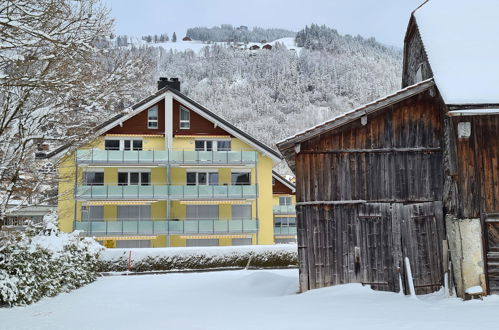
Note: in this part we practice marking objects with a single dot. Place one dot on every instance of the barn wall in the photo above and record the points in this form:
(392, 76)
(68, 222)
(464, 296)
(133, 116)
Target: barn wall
(471, 198)
(395, 157)
(386, 180)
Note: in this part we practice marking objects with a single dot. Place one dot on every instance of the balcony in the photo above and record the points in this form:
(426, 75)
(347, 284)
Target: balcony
(284, 209)
(164, 157)
(164, 192)
(166, 227)
(284, 231)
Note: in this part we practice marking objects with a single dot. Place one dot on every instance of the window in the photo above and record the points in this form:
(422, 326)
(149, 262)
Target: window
(204, 145)
(285, 200)
(419, 74)
(92, 213)
(241, 212)
(215, 145)
(134, 178)
(184, 118)
(241, 178)
(94, 178)
(112, 144)
(202, 178)
(152, 117)
(132, 144)
(123, 144)
(202, 212)
(223, 145)
(134, 212)
(285, 222)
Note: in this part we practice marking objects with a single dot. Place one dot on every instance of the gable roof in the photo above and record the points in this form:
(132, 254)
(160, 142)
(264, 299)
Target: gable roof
(355, 114)
(461, 41)
(283, 180)
(193, 105)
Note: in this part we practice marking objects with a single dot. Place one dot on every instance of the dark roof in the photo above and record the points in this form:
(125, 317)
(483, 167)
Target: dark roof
(184, 97)
(283, 180)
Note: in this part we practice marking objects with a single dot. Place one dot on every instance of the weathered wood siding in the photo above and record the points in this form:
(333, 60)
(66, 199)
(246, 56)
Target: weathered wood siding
(369, 195)
(472, 167)
(414, 56)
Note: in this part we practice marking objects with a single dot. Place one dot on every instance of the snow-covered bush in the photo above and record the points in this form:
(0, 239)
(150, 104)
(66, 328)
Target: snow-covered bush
(164, 259)
(43, 261)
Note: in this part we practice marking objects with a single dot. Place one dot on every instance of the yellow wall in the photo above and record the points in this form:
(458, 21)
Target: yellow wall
(261, 208)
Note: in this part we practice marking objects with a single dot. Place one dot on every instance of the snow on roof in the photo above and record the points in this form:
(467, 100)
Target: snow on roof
(362, 110)
(474, 112)
(461, 40)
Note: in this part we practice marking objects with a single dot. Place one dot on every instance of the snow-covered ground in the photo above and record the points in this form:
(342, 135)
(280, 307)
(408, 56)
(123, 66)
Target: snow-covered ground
(243, 300)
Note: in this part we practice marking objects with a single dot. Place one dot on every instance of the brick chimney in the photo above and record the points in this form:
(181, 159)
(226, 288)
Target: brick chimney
(173, 83)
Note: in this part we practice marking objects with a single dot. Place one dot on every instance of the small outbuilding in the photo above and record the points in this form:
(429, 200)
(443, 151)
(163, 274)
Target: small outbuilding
(254, 47)
(186, 39)
(267, 46)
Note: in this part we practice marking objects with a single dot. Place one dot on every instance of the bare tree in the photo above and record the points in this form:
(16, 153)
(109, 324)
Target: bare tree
(56, 81)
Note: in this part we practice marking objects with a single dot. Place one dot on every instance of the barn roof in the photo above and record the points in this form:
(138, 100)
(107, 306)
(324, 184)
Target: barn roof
(461, 41)
(355, 114)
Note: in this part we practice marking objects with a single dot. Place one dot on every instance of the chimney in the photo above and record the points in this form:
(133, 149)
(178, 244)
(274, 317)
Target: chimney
(173, 83)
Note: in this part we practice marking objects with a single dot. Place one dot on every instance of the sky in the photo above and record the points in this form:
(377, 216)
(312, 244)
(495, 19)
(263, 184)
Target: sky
(386, 20)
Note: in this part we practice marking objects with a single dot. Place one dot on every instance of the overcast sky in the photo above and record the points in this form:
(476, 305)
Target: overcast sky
(386, 20)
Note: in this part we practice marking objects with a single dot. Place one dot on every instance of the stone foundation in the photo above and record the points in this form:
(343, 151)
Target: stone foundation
(465, 246)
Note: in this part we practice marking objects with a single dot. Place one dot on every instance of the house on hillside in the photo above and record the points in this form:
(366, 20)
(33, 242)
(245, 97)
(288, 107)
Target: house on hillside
(254, 47)
(168, 172)
(283, 207)
(186, 38)
(411, 175)
(267, 46)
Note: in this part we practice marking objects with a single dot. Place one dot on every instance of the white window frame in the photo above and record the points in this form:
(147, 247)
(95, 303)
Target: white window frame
(184, 123)
(286, 198)
(140, 171)
(93, 170)
(207, 172)
(214, 145)
(122, 143)
(151, 121)
(241, 171)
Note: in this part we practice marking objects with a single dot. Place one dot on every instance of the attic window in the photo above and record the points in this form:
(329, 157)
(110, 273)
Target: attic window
(152, 117)
(185, 122)
(419, 74)
(464, 130)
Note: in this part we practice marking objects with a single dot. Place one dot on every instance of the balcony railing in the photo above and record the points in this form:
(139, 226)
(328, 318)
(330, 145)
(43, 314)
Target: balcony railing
(283, 209)
(172, 192)
(163, 157)
(284, 231)
(166, 227)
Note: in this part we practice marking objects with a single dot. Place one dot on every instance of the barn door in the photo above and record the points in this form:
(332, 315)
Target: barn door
(422, 232)
(492, 229)
(377, 257)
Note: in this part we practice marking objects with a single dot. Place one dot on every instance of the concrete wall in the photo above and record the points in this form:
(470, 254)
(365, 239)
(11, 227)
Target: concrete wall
(466, 249)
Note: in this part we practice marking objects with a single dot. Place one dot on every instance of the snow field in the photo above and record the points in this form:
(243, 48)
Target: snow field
(243, 299)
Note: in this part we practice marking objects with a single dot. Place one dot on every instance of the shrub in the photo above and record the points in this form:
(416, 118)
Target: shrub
(166, 259)
(43, 261)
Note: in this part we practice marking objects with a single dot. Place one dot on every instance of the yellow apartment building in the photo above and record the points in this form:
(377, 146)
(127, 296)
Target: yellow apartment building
(169, 172)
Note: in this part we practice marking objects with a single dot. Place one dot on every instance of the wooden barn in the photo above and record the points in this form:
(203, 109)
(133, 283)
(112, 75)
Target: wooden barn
(267, 46)
(413, 174)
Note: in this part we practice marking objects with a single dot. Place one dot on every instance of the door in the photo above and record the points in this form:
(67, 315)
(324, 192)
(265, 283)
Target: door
(422, 233)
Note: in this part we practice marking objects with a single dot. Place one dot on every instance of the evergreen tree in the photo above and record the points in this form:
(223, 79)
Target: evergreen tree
(174, 37)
